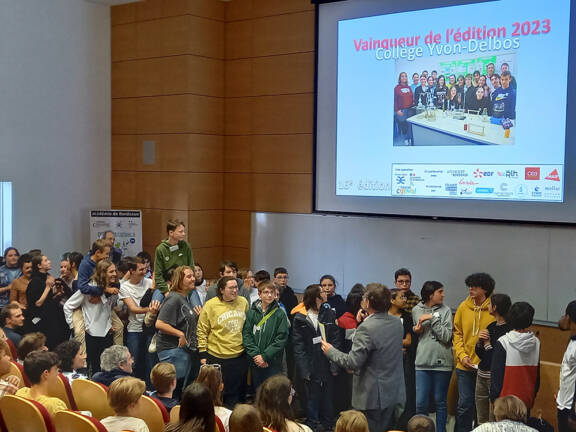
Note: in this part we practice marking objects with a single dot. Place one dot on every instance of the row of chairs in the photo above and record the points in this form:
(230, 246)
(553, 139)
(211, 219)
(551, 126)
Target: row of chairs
(82, 395)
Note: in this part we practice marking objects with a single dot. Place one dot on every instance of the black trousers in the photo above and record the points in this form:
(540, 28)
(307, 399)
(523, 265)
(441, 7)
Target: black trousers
(235, 376)
(94, 347)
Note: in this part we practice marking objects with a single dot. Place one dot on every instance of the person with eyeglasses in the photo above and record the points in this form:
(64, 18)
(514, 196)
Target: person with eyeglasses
(403, 281)
(375, 358)
(315, 321)
(265, 335)
(220, 338)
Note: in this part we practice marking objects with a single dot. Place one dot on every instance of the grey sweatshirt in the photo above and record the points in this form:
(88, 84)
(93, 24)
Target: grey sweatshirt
(434, 350)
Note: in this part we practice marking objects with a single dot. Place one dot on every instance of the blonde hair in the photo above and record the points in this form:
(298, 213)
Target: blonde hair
(510, 408)
(351, 421)
(162, 376)
(245, 418)
(123, 392)
(99, 276)
(178, 278)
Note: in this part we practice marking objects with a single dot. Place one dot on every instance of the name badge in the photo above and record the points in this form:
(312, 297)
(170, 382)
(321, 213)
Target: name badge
(317, 340)
(174, 248)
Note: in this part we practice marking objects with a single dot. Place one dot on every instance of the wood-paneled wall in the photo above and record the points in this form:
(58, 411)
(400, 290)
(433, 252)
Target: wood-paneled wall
(225, 90)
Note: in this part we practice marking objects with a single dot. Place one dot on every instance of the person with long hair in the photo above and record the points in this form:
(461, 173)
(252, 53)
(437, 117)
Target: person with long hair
(176, 342)
(441, 93)
(454, 99)
(220, 338)
(434, 361)
(403, 101)
(273, 400)
(19, 285)
(336, 302)
(211, 376)
(43, 295)
(96, 311)
(313, 321)
(196, 411)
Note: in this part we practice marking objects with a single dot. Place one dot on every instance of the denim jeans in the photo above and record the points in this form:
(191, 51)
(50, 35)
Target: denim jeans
(466, 411)
(437, 382)
(158, 296)
(135, 342)
(181, 360)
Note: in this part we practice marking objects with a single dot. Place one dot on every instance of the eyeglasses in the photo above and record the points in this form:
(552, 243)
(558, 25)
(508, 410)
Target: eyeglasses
(214, 365)
(403, 282)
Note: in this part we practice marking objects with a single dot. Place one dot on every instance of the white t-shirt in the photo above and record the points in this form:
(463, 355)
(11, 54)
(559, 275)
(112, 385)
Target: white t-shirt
(202, 291)
(135, 292)
(224, 415)
(567, 377)
(119, 424)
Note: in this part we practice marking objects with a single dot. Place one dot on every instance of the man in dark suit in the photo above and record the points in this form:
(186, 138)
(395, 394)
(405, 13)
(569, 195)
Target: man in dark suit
(375, 358)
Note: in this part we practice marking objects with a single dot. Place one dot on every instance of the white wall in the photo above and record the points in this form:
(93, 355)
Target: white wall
(55, 119)
(533, 263)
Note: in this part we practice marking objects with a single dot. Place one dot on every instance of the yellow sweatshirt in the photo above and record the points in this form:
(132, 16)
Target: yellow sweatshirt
(220, 327)
(468, 322)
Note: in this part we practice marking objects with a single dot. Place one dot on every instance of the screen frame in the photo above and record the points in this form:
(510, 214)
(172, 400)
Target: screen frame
(325, 200)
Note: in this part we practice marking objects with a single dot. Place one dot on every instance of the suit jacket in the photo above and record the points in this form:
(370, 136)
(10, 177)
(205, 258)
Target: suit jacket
(376, 360)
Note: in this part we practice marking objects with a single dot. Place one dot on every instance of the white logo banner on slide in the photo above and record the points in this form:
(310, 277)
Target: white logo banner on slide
(126, 225)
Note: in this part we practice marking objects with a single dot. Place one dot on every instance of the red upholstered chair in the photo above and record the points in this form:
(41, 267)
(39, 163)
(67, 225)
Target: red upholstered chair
(25, 415)
(61, 389)
(91, 396)
(154, 413)
(22, 374)
(13, 351)
(15, 370)
(69, 421)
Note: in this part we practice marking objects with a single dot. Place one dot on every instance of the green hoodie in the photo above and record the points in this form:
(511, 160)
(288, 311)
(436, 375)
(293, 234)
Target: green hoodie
(270, 339)
(166, 260)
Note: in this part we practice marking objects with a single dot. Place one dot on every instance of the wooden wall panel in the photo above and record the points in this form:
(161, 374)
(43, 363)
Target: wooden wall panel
(237, 153)
(282, 192)
(282, 154)
(269, 114)
(283, 74)
(282, 34)
(238, 191)
(237, 228)
(246, 9)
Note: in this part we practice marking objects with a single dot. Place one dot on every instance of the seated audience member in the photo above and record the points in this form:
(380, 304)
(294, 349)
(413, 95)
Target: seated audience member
(265, 335)
(196, 411)
(421, 423)
(499, 306)
(504, 98)
(211, 377)
(12, 319)
(163, 378)
(510, 414)
(8, 384)
(41, 368)
(124, 395)
(246, 418)
(403, 281)
(31, 342)
(20, 285)
(273, 400)
(516, 359)
(352, 421)
(72, 358)
(115, 362)
(336, 302)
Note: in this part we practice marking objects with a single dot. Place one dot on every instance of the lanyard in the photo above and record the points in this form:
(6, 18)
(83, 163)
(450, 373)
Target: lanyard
(266, 317)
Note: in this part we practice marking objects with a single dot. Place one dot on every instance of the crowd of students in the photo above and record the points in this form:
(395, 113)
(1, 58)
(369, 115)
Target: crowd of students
(385, 353)
(492, 94)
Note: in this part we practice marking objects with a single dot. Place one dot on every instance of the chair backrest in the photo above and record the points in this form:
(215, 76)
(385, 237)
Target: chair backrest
(15, 365)
(91, 396)
(13, 351)
(175, 414)
(61, 389)
(25, 415)
(69, 421)
(153, 412)
(15, 370)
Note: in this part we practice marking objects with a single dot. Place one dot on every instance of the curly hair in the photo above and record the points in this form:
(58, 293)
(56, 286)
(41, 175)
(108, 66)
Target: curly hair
(66, 351)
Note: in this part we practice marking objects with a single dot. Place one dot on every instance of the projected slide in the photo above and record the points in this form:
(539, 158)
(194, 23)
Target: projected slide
(462, 102)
